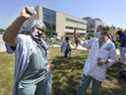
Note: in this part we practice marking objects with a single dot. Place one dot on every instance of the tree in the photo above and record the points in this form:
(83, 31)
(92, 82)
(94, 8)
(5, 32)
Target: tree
(2, 30)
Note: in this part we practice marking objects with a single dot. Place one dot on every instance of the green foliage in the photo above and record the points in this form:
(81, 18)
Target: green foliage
(6, 73)
(66, 80)
(117, 44)
(1, 30)
(89, 35)
(66, 75)
(48, 33)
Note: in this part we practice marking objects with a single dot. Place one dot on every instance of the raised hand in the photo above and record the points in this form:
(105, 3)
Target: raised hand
(24, 13)
(76, 38)
(28, 11)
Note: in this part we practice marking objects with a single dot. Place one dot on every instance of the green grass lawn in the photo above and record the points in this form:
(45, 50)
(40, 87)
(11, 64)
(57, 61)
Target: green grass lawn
(66, 74)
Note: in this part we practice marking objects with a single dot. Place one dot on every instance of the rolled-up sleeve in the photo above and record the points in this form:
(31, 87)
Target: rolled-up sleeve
(87, 43)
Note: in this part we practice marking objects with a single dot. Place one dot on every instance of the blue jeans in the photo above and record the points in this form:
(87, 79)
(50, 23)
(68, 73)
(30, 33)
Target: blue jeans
(42, 88)
(85, 82)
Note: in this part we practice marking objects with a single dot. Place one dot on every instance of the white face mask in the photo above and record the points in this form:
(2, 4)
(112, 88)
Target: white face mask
(97, 34)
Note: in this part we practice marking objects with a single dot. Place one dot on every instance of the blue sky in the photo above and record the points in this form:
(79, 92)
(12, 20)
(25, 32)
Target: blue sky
(111, 11)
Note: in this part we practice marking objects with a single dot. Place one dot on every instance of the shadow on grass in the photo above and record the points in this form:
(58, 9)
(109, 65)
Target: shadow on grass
(67, 76)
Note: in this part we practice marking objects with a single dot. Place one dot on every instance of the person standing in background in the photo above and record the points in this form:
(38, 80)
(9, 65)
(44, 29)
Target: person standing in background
(76, 36)
(122, 61)
(122, 40)
(65, 47)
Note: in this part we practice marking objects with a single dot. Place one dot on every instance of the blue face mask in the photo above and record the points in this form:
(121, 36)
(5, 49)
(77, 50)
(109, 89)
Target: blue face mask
(97, 34)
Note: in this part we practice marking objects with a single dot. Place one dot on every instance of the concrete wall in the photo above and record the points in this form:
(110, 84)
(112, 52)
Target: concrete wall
(64, 20)
(60, 24)
(75, 22)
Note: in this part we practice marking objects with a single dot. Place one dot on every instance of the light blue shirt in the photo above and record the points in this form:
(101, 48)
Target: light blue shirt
(31, 61)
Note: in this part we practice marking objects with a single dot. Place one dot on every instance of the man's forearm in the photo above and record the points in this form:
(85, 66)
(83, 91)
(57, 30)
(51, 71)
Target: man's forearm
(12, 31)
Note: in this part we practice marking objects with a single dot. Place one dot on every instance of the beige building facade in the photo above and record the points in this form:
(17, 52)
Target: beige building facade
(66, 24)
(62, 24)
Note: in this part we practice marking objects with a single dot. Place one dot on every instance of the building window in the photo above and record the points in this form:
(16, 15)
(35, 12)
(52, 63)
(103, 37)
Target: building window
(68, 27)
(75, 21)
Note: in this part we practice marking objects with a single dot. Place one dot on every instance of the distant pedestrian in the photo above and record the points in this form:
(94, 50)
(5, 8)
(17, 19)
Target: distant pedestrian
(122, 40)
(122, 67)
(76, 36)
(65, 47)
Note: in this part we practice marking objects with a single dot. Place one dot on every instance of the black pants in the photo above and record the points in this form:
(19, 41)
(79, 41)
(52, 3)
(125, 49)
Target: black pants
(67, 53)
